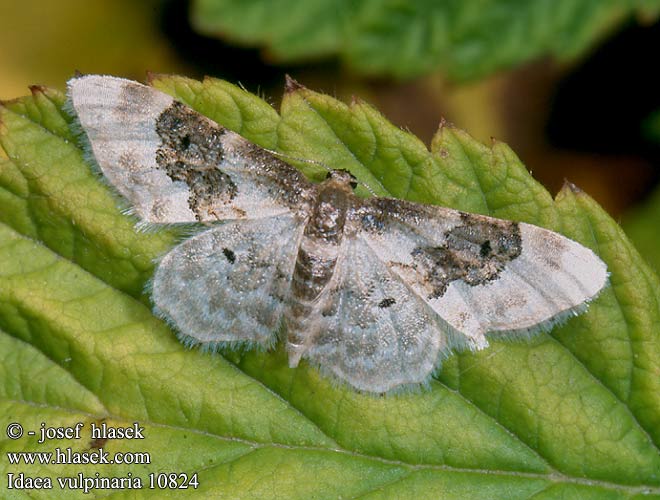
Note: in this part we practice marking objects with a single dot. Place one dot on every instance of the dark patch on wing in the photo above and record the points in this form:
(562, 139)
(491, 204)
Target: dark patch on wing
(385, 303)
(192, 152)
(230, 255)
(475, 252)
(485, 249)
(374, 213)
(371, 222)
(285, 183)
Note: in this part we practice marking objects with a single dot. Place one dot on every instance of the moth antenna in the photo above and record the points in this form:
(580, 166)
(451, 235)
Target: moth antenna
(368, 188)
(295, 158)
(318, 163)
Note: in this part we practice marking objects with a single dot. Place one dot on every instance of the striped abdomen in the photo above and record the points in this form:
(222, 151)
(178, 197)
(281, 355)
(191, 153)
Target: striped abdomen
(315, 265)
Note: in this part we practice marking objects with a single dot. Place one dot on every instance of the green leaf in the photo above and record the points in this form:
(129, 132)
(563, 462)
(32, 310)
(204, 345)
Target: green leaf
(641, 224)
(408, 38)
(642, 227)
(574, 413)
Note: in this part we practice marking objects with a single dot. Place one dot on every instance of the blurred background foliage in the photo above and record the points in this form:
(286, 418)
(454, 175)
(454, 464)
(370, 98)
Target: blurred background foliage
(568, 84)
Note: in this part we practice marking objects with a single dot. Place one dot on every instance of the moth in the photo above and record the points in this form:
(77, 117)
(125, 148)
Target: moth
(374, 291)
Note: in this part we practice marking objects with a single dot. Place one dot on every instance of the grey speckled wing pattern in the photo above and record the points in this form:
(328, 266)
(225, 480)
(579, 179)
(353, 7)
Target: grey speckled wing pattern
(229, 283)
(373, 291)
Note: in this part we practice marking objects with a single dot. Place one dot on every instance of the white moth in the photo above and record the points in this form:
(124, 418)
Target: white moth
(374, 291)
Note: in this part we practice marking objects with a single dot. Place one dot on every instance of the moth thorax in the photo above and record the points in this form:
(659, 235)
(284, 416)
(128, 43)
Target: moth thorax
(329, 213)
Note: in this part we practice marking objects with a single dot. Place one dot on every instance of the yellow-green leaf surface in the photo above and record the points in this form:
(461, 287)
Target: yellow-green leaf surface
(405, 38)
(643, 227)
(571, 414)
(642, 224)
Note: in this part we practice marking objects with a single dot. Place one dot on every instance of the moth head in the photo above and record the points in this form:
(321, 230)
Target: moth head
(343, 176)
